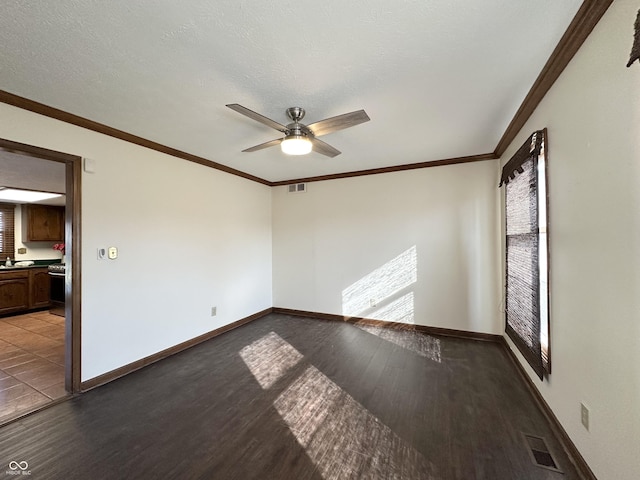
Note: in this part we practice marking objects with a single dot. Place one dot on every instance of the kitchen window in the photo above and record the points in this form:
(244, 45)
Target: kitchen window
(7, 225)
(527, 253)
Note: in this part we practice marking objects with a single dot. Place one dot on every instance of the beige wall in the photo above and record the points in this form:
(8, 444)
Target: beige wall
(189, 238)
(593, 118)
(347, 242)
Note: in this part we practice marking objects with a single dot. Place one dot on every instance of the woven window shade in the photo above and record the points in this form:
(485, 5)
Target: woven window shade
(635, 49)
(7, 225)
(520, 174)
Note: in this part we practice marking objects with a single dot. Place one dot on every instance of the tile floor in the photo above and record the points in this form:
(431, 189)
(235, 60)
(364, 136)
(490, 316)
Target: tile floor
(31, 362)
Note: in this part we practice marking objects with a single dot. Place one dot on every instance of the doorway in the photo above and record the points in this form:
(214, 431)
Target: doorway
(52, 330)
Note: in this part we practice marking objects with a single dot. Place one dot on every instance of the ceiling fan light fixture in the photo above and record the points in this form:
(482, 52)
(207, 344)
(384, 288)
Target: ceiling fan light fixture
(296, 145)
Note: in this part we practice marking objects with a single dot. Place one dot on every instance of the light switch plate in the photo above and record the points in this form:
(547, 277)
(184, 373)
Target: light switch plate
(113, 253)
(584, 415)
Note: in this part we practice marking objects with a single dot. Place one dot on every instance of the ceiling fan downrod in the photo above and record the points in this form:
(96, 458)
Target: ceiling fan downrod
(295, 113)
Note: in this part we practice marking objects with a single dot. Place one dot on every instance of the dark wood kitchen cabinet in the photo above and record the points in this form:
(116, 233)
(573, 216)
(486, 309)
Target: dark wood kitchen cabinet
(22, 290)
(14, 291)
(40, 288)
(43, 223)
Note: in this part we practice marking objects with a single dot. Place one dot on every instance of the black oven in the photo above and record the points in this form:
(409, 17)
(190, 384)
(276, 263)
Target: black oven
(57, 278)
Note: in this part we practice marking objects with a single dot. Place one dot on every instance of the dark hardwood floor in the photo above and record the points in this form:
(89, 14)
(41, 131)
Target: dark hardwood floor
(297, 398)
(31, 362)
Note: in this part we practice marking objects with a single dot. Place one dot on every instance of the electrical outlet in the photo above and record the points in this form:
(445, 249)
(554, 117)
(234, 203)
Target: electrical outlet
(214, 311)
(373, 303)
(584, 415)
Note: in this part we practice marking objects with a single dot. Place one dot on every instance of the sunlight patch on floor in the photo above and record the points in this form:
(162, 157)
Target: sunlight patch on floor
(424, 345)
(269, 358)
(341, 437)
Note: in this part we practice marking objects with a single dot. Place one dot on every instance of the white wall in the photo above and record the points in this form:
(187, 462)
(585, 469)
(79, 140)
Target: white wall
(341, 232)
(593, 118)
(189, 238)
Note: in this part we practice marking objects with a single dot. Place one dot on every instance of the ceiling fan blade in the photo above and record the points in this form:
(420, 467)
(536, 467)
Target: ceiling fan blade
(257, 117)
(324, 148)
(268, 144)
(340, 122)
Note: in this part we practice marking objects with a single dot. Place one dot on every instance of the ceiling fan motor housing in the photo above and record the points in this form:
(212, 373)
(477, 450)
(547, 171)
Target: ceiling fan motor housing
(298, 130)
(295, 113)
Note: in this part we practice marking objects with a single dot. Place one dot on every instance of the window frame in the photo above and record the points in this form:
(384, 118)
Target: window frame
(535, 347)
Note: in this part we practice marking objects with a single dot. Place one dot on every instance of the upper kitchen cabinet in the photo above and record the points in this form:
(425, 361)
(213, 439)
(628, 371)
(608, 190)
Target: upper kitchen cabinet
(43, 223)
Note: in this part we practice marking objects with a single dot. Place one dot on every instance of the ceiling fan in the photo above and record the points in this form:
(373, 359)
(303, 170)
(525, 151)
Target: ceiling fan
(300, 139)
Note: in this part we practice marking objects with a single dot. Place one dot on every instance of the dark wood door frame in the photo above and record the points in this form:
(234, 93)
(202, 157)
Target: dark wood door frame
(73, 176)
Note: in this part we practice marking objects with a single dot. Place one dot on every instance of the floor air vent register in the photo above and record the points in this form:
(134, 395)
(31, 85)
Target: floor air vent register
(539, 452)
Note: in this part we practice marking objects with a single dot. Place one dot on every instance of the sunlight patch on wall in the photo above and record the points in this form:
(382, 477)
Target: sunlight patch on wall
(381, 284)
(270, 358)
(424, 345)
(341, 437)
(400, 310)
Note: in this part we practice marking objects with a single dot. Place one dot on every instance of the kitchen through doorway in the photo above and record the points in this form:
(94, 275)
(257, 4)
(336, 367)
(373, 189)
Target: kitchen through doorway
(39, 287)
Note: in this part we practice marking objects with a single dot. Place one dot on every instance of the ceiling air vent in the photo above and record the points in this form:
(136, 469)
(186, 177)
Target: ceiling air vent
(297, 187)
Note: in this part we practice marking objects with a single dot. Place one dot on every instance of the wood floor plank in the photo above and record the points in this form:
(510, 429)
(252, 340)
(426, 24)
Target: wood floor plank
(353, 404)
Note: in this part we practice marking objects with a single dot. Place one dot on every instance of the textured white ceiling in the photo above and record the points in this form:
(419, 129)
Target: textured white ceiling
(439, 78)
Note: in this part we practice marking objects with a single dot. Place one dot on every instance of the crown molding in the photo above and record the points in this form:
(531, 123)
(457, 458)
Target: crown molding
(57, 114)
(394, 168)
(585, 20)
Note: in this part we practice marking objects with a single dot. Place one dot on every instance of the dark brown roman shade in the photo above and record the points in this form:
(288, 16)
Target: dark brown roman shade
(7, 225)
(520, 175)
(635, 49)
(530, 148)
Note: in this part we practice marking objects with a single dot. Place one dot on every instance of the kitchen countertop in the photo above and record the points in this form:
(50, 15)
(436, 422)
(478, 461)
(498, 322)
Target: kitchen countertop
(8, 269)
(37, 264)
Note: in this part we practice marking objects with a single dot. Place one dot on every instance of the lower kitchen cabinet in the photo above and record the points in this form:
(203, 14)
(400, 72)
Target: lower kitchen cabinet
(22, 290)
(14, 291)
(40, 288)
